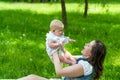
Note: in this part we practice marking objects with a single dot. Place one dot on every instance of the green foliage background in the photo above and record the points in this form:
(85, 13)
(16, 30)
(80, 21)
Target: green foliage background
(23, 27)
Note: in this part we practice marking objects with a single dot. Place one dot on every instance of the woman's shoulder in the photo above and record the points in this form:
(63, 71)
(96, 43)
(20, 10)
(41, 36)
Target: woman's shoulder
(87, 67)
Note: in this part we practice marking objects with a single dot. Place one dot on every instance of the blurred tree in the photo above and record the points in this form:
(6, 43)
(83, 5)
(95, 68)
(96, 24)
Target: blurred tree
(45, 0)
(32, 0)
(16, 0)
(86, 8)
(64, 15)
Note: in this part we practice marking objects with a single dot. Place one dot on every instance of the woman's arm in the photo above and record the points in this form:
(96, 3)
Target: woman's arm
(70, 71)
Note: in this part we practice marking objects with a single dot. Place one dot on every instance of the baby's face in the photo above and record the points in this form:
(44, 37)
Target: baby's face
(58, 32)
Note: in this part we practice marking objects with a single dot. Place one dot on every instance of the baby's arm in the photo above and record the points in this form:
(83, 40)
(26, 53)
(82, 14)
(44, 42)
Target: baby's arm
(54, 44)
(72, 40)
(67, 40)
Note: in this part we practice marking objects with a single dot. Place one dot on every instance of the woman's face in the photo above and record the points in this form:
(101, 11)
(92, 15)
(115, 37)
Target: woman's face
(87, 49)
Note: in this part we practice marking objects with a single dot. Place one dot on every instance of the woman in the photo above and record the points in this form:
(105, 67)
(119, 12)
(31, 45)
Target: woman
(89, 66)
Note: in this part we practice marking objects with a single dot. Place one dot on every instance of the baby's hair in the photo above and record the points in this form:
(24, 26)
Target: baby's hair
(55, 24)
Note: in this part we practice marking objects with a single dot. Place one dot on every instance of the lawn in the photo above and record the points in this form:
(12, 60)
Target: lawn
(23, 27)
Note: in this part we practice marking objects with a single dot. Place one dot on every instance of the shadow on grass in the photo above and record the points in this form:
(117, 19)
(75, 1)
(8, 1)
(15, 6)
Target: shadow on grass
(26, 20)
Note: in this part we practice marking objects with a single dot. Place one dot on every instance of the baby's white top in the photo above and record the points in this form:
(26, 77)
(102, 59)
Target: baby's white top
(52, 37)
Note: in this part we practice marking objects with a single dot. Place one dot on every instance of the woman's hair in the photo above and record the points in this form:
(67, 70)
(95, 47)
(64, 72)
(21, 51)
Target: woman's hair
(98, 53)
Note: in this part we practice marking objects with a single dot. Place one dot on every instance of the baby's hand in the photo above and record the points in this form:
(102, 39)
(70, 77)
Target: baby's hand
(72, 40)
(60, 44)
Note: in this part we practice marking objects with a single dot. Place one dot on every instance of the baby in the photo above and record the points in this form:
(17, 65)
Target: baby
(55, 41)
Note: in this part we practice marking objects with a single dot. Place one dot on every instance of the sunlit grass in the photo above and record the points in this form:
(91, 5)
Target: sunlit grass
(37, 7)
(49, 8)
(103, 9)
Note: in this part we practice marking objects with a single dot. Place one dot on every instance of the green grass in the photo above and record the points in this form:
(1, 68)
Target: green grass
(23, 27)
